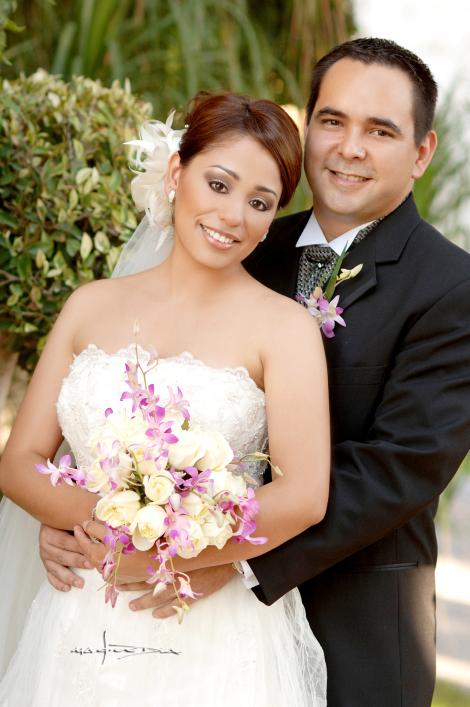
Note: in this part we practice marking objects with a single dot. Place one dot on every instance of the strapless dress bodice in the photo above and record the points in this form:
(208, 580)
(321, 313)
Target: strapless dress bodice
(226, 399)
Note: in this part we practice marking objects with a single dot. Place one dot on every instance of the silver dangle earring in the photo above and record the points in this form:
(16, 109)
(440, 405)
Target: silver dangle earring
(263, 237)
(171, 196)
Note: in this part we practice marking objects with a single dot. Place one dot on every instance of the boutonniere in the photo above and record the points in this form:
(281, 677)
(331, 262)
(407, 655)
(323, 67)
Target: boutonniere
(322, 305)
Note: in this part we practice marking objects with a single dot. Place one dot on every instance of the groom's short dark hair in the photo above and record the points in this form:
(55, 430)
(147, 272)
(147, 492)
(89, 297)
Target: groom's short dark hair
(374, 50)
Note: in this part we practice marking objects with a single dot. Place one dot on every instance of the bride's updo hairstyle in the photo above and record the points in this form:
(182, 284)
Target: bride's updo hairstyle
(216, 118)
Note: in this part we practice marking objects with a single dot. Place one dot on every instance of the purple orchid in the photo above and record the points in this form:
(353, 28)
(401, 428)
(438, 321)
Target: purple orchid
(184, 590)
(330, 315)
(111, 594)
(195, 480)
(108, 565)
(136, 395)
(177, 403)
(162, 432)
(248, 507)
(118, 541)
(120, 535)
(62, 473)
(327, 313)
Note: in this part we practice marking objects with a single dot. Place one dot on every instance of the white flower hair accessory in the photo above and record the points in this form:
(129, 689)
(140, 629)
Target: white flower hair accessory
(158, 141)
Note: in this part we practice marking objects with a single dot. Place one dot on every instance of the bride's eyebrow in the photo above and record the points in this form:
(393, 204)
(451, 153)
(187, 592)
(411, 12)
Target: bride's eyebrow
(226, 169)
(258, 187)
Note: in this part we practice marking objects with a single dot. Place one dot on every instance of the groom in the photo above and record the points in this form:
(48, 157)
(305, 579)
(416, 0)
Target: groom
(399, 379)
(399, 375)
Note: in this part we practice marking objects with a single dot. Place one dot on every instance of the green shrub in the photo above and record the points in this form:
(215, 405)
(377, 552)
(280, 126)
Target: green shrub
(7, 8)
(65, 204)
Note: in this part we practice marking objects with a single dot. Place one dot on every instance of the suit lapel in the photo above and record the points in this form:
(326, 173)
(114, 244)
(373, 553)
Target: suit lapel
(364, 253)
(384, 245)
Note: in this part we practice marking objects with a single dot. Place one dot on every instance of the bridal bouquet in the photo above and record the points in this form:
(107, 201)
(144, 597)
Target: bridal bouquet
(164, 483)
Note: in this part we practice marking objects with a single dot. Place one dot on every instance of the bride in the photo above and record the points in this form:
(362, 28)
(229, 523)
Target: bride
(255, 369)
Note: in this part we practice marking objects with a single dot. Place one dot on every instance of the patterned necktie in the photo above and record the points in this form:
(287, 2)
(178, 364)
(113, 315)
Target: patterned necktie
(317, 263)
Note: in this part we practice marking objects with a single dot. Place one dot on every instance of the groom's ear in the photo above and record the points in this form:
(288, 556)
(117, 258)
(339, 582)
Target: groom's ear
(424, 154)
(173, 172)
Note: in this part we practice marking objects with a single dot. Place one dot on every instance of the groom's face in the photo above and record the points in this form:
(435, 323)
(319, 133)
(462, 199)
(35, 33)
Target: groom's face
(360, 153)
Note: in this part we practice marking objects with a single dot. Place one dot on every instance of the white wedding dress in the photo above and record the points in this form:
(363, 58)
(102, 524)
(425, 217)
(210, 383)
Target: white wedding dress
(230, 650)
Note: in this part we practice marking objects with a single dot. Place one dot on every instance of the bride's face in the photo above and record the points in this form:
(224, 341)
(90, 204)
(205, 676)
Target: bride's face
(226, 198)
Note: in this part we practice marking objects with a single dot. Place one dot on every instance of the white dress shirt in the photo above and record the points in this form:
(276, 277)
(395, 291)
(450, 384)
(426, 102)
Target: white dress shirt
(313, 235)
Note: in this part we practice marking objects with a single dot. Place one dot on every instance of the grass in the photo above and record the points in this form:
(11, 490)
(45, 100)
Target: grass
(447, 695)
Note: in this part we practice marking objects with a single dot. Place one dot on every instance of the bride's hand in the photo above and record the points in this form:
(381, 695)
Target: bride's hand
(90, 539)
(60, 552)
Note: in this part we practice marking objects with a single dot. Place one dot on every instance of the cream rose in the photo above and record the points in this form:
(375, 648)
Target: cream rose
(217, 530)
(119, 508)
(218, 453)
(188, 449)
(97, 480)
(148, 526)
(159, 487)
(198, 542)
(224, 480)
(147, 467)
(120, 425)
(125, 466)
(193, 504)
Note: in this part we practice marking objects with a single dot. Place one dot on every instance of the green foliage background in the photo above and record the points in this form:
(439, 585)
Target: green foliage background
(443, 192)
(65, 203)
(170, 49)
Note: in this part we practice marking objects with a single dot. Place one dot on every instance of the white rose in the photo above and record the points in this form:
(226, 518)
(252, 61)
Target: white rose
(217, 530)
(159, 487)
(125, 467)
(218, 453)
(224, 480)
(148, 467)
(97, 480)
(187, 450)
(193, 504)
(148, 526)
(125, 463)
(122, 426)
(119, 508)
(197, 540)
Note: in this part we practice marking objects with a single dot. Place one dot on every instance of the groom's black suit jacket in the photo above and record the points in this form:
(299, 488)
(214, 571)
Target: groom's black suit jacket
(399, 377)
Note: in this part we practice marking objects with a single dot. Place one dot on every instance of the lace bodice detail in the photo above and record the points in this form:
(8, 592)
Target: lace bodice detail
(226, 399)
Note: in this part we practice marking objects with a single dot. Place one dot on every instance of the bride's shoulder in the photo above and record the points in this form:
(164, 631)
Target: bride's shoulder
(98, 292)
(281, 315)
(90, 301)
(277, 304)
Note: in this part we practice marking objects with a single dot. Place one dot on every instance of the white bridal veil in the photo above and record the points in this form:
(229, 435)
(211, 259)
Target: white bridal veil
(21, 570)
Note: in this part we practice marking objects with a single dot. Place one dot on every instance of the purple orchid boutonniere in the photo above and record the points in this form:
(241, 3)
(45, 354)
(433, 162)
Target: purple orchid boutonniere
(327, 313)
(322, 305)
